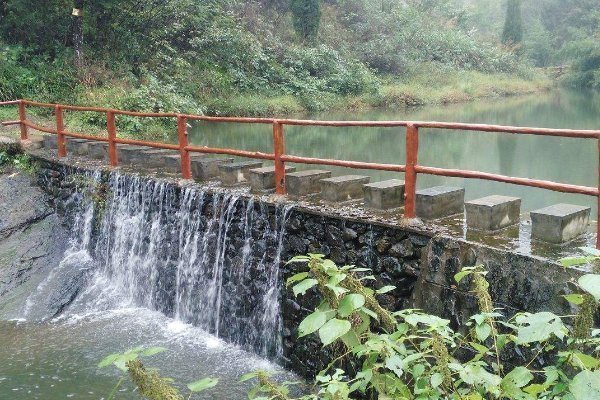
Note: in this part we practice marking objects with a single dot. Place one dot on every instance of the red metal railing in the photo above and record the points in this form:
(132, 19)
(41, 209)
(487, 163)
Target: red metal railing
(411, 169)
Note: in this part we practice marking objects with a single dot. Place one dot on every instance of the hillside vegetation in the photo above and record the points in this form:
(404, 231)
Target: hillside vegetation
(252, 57)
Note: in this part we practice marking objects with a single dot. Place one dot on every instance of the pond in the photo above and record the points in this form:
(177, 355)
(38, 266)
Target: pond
(564, 160)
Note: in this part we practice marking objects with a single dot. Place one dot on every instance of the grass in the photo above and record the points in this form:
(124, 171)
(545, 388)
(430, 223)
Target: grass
(426, 86)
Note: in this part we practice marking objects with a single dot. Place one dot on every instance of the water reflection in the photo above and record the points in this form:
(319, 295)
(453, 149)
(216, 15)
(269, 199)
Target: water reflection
(558, 159)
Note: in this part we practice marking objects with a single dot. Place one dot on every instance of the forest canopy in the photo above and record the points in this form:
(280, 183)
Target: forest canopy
(203, 56)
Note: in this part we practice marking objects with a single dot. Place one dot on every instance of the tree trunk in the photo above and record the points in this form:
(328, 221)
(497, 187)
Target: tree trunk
(78, 32)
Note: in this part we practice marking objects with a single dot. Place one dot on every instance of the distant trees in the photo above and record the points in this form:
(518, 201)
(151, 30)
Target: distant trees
(306, 16)
(512, 35)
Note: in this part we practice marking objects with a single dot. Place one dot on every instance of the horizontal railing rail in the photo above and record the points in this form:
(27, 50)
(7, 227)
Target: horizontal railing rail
(411, 169)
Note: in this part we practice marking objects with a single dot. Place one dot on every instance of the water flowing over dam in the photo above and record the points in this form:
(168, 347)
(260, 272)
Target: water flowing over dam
(173, 251)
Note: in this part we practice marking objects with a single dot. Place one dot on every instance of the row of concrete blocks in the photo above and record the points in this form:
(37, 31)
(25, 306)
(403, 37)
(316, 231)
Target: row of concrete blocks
(555, 224)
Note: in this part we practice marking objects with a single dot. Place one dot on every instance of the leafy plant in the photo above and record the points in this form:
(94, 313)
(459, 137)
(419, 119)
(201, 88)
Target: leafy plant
(412, 355)
(149, 383)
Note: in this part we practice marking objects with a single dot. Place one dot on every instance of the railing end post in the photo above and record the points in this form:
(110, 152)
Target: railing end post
(60, 128)
(278, 151)
(412, 150)
(112, 135)
(186, 166)
(22, 120)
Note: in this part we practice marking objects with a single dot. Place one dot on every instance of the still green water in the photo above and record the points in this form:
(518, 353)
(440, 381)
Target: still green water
(566, 160)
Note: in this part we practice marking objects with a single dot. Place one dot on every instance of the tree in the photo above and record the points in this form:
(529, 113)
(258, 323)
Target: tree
(513, 25)
(306, 16)
(78, 32)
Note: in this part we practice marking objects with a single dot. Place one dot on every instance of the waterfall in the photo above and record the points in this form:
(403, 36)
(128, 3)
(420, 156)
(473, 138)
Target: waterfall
(206, 258)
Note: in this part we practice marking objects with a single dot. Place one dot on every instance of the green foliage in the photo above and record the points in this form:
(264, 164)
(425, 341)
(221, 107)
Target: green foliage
(306, 17)
(19, 161)
(415, 356)
(512, 35)
(148, 382)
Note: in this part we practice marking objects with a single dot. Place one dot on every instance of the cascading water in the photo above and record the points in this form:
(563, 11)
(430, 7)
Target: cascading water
(206, 258)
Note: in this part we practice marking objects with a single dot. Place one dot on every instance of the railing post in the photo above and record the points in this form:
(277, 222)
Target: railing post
(60, 129)
(112, 135)
(22, 119)
(186, 167)
(412, 151)
(598, 202)
(278, 150)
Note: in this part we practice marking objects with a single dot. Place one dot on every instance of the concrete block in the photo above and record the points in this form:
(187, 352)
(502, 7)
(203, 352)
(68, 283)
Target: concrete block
(384, 195)
(237, 172)
(263, 179)
(172, 163)
(305, 182)
(51, 142)
(131, 154)
(343, 188)
(493, 213)
(155, 158)
(559, 223)
(77, 147)
(98, 150)
(439, 202)
(205, 168)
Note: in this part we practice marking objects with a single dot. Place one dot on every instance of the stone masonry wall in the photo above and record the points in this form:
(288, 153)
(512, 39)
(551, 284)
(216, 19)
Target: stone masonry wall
(420, 265)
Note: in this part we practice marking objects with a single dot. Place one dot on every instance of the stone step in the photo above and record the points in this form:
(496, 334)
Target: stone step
(237, 172)
(559, 223)
(172, 163)
(439, 202)
(343, 188)
(50, 142)
(128, 154)
(98, 150)
(155, 158)
(263, 179)
(206, 168)
(493, 213)
(384, 195)
(77, 147)
(305, 182)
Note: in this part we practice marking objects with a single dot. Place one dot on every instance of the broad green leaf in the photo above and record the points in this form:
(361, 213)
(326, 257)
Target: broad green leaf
(586, 385)
(461, 275)
(333, 330)
(483, 331)
(436, 379)
(349, 303)
(248, 376)
(351, 340)
(569, 262)
(152, 351)
(298, 259)
(337, 278)
(481, 349)
(539, 327)
(134, 350)
(515, 380)
(338, 290)
(304, 286)
(108, 360)
(429, 320)
(576, 299)
(203, 384)
(296, 278)
(580, 360)
(477, 375)
(123, 359)
(313, 322)
(395, 364)
(385, 289)
(591, 284)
